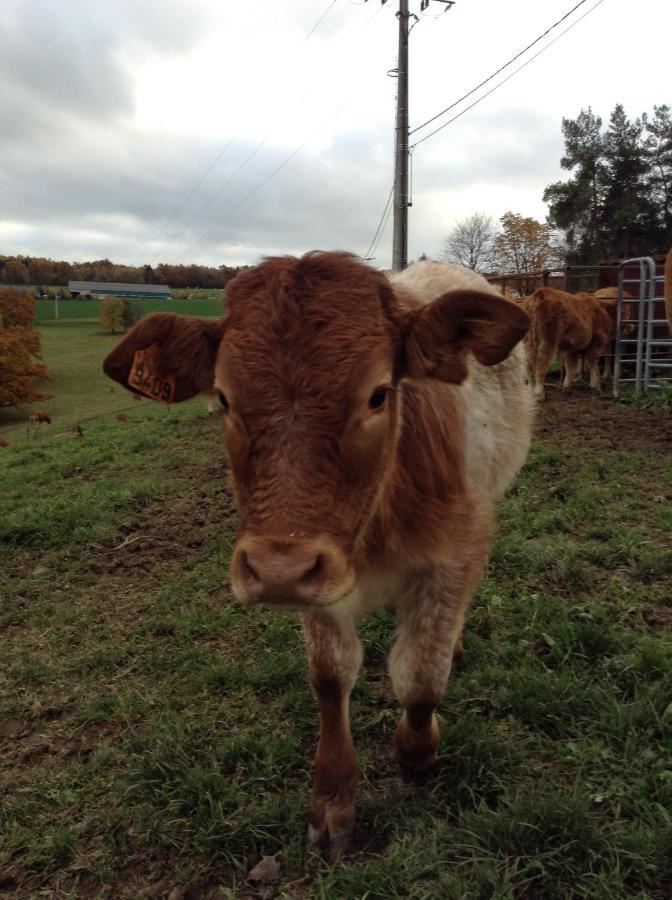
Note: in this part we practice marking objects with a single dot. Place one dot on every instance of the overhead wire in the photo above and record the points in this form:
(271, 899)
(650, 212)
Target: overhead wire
(219, 156)
(319, 21)
(235, 208)
(196, 186)
(265, 180)
(500, 83)
(375, 240)
(219, 190)
(500, 69)
(260, 185)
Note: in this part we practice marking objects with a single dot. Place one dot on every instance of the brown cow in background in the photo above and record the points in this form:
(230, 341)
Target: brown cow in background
(371, 424)
(576, 325)
(629, 313)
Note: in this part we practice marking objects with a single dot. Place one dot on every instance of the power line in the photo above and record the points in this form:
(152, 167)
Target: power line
(234, 209)
(501, 68)
(381, 225)
(503, 81)
(319, 21)
(261, 184)
(200, 181)
(271, 175)
(221, 188)
(195, 187)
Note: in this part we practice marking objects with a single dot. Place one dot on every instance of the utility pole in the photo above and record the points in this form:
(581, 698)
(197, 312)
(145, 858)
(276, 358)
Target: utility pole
(401, 158)
(400, 220)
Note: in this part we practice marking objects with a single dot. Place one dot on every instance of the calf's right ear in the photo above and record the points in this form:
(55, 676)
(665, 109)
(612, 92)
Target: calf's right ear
(167, 357)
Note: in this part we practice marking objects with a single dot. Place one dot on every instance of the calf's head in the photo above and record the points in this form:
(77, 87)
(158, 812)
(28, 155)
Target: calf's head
(308, 364)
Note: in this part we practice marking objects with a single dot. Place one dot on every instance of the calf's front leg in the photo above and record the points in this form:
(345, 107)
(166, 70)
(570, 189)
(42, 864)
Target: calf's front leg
(335, 656)
(428, 639)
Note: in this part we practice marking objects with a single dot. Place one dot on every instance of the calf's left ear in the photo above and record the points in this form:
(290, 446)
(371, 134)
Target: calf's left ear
(441, 334)
(167, 357)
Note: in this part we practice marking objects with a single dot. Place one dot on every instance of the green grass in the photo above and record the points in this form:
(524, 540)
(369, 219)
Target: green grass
(204, 303)
(659, 399)
(73, 352)
(155, 733)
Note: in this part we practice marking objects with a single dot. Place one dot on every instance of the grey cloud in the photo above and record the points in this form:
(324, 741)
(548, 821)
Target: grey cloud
(54, 61)
(61, 59)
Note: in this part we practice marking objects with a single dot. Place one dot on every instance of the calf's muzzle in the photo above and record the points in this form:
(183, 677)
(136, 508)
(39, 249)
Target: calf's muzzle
(289, 571)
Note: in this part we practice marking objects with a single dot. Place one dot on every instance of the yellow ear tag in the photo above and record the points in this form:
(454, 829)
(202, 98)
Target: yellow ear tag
(145, 378)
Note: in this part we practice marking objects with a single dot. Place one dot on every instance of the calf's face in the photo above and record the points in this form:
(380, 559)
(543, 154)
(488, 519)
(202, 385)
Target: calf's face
(308, 365)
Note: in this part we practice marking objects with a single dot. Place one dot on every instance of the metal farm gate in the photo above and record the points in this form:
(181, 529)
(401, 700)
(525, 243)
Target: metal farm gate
(643, 341)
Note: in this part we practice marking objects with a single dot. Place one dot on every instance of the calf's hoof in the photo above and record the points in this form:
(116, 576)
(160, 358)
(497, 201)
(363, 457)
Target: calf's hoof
(331, 824)
(417, 750)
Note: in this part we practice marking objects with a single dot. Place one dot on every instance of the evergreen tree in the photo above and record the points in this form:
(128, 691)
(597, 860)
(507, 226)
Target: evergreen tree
(628, 216)
(618, 202)
(575, 206)
(658, 148)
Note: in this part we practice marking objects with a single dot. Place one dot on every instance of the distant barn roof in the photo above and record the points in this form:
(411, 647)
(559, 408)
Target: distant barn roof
(116, 287)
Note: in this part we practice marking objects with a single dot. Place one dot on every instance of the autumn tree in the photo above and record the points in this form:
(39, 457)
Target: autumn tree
(524, 245)
(20, 350)
(112, 312)
(470, 242)
(15, 271)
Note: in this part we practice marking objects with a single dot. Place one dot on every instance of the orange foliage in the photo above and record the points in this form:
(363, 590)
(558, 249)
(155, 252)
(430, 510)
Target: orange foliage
(20, 350)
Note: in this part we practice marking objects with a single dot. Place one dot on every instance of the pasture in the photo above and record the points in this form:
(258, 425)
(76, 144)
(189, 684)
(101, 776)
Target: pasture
(157, 738)
(72, 349)
(78, 310)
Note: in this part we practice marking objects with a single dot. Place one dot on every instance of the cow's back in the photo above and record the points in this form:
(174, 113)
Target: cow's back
(561, 320)
(492, 409)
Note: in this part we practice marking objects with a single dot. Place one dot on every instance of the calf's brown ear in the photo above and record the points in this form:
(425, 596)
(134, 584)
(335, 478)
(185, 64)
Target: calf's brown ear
(441, 334)
(167, 357)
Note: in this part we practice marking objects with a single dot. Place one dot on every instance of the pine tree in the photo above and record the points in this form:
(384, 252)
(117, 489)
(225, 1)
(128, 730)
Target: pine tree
(575, 206)
(628, 215)
(618, 202)
(658, 148)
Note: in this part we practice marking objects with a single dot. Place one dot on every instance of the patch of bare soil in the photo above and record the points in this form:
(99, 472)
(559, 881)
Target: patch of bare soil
(583, 422)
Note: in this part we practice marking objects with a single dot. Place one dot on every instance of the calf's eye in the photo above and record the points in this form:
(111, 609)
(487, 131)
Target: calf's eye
(378, 398)
(224, 401)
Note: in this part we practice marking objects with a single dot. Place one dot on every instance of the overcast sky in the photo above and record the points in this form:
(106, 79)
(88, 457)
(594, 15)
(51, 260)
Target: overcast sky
(111, 111)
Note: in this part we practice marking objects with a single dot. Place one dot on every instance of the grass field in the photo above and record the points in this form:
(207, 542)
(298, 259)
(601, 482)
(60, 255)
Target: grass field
(79, 310)
(156, 739)
(73, 352)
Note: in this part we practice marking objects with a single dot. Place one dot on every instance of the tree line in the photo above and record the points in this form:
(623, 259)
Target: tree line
(617, 203)
(40, 271)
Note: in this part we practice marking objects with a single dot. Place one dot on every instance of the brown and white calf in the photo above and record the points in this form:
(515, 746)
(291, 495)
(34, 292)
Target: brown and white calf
(371, 423)
(576, 325)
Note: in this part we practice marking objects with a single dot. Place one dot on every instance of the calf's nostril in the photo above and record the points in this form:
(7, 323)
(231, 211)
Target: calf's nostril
(248, 569)
(315, 572)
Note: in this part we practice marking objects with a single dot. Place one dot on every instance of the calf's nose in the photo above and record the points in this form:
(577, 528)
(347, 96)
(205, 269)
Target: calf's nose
(271, 570)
